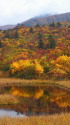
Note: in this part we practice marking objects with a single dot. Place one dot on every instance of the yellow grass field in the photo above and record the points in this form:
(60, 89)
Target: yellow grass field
(62, 119)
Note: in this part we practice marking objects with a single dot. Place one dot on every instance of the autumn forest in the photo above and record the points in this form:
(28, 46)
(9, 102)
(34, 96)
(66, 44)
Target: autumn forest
(36, 52)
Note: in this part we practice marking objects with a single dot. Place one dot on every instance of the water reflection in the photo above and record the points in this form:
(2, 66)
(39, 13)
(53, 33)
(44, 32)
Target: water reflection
(10, 113)
(38, 100)
(34, 92)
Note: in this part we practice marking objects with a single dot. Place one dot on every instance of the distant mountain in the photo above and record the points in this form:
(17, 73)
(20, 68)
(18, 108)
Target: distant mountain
(41, 20)
(5, 27)
(47, 19)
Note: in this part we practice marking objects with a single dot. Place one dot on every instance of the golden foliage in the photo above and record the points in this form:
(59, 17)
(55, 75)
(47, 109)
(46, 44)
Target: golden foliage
(61, 66)
(39, 69)
(27, 68)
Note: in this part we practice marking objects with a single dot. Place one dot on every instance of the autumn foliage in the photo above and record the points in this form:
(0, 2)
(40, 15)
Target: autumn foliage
(26, 69)
(35, 52)
(61, 67)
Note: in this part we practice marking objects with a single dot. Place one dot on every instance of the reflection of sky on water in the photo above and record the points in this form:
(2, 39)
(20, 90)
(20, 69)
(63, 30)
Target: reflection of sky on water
(10, 113)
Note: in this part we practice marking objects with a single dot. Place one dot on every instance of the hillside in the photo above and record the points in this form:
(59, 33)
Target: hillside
(36, 52)
(5, 27)
(47, 19)
(41, 20)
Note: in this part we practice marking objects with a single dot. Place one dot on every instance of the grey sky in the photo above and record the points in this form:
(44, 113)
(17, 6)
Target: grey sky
(16, 11)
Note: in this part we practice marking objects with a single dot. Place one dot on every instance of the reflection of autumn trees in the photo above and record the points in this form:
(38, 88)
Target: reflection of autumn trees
(26, 92)
(42, 99)
(38, 99)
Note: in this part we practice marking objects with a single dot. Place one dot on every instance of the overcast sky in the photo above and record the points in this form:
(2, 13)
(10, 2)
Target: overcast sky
(17, 11)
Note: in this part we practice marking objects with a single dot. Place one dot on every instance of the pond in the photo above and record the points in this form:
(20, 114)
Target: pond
(10, 113)
(34, 100)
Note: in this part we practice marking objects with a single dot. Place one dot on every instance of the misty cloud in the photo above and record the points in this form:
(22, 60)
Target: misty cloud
(15, 11)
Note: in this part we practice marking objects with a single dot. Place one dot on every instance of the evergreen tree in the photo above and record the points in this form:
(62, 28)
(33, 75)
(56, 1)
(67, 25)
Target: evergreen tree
(58, 24)
(16, 35)
(31, 30)
(18, 24)
(7, 34)
(52, 42)
(52, 24)
(37, 25)
(40, 43)
(1, 44)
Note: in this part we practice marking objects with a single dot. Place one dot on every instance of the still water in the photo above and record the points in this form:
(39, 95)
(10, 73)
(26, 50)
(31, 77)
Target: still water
(35, 100)
(10, 113)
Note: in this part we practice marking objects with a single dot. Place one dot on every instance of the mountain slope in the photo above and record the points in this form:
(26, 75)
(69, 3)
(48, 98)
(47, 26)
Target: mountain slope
(37, 52)
(41, 20)
(47, 20)
(5, 27)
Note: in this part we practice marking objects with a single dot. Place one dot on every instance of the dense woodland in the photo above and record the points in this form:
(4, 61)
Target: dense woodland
(36, 52)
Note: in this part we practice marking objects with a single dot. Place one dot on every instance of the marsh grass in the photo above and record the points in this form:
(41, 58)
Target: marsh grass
(7, 99)
(23, 82)
(61, 119)
(65, 83)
